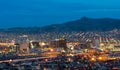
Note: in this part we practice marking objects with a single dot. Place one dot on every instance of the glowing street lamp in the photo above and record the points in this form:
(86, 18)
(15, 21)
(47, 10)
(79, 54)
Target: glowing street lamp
(100, 58)
(43, 44)
(93, 59)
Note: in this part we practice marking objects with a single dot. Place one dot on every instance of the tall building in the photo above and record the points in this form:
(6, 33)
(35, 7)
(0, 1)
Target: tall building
(17, 47)
(24, 47)
(34, 44)
(96, 43)
(58, 43)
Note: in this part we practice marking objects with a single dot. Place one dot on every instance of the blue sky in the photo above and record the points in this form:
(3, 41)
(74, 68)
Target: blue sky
(25, 13)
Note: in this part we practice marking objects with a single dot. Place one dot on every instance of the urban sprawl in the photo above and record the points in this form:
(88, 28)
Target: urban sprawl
(60, 51)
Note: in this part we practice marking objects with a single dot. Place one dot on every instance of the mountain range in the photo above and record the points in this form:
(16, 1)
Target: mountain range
(83, 24)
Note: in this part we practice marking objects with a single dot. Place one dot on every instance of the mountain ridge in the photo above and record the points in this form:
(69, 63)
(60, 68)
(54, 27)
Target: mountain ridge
(88, 24)
(84, 24)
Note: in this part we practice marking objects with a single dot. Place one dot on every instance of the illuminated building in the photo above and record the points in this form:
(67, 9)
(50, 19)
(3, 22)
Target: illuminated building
(59, 43)
(96, 43)
(29, 46)
(116, 48)
(17, 48)
(34, 44)
(24, 47)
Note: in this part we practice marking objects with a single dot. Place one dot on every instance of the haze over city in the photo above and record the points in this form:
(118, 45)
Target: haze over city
(29, 13)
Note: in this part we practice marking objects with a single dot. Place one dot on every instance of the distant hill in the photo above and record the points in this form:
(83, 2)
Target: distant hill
(83, 24)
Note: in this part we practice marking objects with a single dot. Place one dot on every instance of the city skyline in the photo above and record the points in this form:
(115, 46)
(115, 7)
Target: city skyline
(24, 13)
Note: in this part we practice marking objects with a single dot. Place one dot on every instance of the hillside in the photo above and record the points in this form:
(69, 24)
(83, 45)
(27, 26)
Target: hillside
(83, 24)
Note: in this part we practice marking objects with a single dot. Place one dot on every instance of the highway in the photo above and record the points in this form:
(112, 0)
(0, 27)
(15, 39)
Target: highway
(15, 60)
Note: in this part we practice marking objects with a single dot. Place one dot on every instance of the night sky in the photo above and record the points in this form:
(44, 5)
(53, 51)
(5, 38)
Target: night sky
(30, 13)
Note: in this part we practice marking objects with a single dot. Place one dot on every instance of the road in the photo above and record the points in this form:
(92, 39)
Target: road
(15, 60)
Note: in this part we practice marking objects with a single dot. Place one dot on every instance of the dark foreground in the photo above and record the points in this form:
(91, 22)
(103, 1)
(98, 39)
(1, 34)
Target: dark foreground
(61, 63)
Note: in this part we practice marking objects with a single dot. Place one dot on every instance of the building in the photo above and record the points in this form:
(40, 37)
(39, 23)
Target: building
(96, 43)
(34, 44)
(58, 43)
(25, 47)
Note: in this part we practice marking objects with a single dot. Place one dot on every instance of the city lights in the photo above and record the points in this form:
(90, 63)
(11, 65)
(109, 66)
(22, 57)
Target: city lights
(93, 59)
